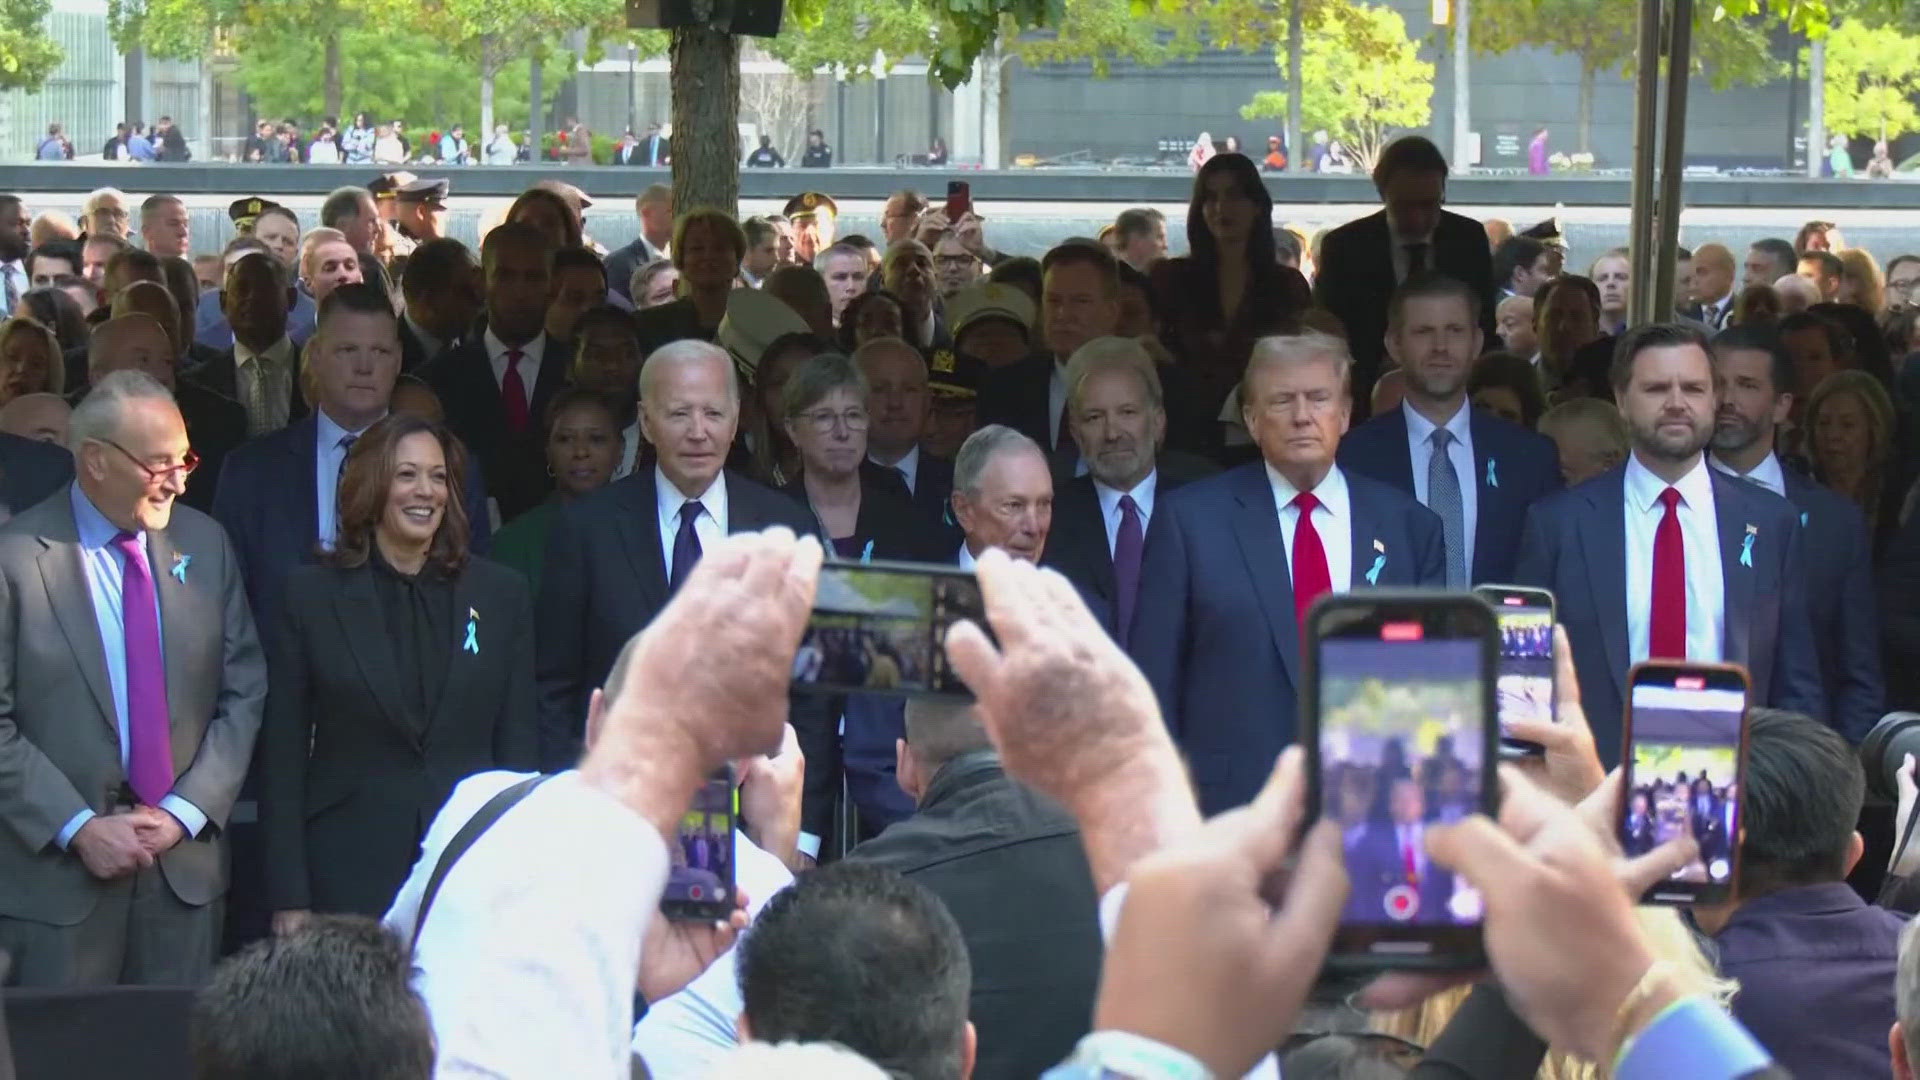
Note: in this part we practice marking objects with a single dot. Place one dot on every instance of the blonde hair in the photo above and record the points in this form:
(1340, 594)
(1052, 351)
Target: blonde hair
(1870, 285)
(1671, 940)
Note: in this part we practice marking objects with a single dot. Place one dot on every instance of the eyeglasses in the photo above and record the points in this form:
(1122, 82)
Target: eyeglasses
(823, 420)
(154, 476)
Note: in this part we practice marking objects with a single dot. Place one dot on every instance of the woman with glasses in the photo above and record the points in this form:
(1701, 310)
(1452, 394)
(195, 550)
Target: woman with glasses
(401, 665)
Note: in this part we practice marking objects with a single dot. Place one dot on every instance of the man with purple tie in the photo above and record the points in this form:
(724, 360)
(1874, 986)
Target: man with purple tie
(131, 685)
(1117, 415)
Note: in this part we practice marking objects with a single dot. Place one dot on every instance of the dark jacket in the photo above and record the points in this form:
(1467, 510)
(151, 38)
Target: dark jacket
(220, 374)
(31, 471)
(348, 784)
(515, 465)
(1841, 605)
(675, 321)
(1008, 865)
(1077, 541)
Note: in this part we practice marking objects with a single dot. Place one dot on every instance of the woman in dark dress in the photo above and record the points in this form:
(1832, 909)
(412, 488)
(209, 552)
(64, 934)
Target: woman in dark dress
(401, 666)
(707, 248)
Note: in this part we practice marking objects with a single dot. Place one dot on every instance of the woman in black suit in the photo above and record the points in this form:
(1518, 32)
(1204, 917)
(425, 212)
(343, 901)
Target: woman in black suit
(401, 665)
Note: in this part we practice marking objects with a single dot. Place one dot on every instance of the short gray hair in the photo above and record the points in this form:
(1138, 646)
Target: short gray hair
(939, 730)
(1293, 349)
(836, 251)
(99, 414)
(1105, 354)
(688, 351)
(981, 448)
(817, 377)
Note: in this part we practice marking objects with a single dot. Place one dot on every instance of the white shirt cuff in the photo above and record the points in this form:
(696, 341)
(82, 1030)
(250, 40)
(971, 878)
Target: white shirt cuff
(187, 814)
(72, 826)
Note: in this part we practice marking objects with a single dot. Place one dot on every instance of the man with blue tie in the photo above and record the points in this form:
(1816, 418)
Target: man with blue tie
(1667, 558)
(132, 683)
(1479, 473)
(1756, 393)
(1233, 562)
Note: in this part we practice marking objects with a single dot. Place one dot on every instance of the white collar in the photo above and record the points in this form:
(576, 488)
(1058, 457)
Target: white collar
(1460, 424)
(535, 348)
(330, 432)
(1142, 493)
(1643, 488)
(966, 560)
(1768, 474)
(1331, 491)
(670, 499)
(909, 462)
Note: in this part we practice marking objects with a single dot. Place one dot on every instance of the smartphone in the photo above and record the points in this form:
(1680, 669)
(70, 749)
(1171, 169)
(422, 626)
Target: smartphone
(700, 883)
(1685, 762)
(881, 628)
(959, 201)
(1401, 735)
(1524, 684)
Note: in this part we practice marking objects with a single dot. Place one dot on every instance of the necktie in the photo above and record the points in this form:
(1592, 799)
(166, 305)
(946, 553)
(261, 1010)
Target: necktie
(1310, 574)
(686, 543)
(346, 451)
(1416, 259)
(1409, 861)
(1127, 544)
(1443, 498)
(1063, 444)
(904, 478)
(1667, 612)
(149, 731)
(513, 393)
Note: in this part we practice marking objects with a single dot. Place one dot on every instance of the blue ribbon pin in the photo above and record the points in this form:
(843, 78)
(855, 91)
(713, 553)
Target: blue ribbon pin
(1373, 572)
(473, 632)
(180, 564)
(1493, 481)
(1746, 551)
(1803, 520)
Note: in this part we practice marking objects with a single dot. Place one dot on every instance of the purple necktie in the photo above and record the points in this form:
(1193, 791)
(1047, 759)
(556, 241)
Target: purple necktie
(1126, 566)
(149, 733)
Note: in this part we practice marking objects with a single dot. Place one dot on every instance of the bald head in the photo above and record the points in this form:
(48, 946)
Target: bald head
(908, 274)
(1713, 273)
(1797, 294)
(134, 341)
(41, 416)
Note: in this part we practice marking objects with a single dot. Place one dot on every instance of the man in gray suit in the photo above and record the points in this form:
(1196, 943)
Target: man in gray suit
(131, 686)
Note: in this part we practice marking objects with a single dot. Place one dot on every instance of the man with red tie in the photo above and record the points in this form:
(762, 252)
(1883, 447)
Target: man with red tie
(1664, 557)
(1233, 562)
(495, 386)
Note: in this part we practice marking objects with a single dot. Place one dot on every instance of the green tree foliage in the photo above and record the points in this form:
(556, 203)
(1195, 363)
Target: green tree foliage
(27, 54)
(1872, 77)
(1363, 79)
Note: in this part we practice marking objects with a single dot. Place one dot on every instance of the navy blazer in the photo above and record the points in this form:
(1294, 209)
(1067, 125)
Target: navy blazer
(1840, 606)
(1575, 544)
(1215, 631)
(1077, 541)
(270, 508)
(1512, 467)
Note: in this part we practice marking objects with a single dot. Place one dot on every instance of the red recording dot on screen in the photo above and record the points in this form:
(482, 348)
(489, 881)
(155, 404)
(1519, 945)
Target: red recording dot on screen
(1402, 631)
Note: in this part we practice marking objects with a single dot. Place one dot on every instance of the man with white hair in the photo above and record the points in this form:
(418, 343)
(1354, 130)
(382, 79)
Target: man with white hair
(111, 868)
(845, 269)
(1002, 495)
(105, 214)
(614, 557)
(1233, 563)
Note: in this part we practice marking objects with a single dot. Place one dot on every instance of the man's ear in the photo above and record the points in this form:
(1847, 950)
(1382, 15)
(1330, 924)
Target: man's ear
(596, 714)
(969, 1051)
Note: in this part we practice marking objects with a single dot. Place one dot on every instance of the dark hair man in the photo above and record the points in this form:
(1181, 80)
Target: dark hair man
(1768, 261)
(1522, 265)
(1825, 270)
(1080, 301)
(1142, 236)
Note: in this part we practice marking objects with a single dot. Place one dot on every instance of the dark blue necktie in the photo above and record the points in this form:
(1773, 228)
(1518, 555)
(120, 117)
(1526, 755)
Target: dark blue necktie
(686, 544)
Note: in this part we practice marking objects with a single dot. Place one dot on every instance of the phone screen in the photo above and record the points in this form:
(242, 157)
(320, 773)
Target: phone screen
(1404, 742)
(881, 628)
(959, 200)
(700, 881)
(1685, 757)
(1524, 686)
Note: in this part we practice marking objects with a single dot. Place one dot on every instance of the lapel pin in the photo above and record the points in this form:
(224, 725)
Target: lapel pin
(1803, 519)
(1746, 547)
(180, 564)
(1379, 563)
(1493, 478)
(473, 632)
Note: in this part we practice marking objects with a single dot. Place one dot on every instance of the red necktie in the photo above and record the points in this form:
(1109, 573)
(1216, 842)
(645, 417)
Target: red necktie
(1667, 613)
(1411, 864)
(1310, 575)
(513, 393)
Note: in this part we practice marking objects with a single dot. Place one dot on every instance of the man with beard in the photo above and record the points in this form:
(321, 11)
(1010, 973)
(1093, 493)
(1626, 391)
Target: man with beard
(1479, 473)
(1756, 392)
(1119, 419)
(908, 274)
(1666, 558)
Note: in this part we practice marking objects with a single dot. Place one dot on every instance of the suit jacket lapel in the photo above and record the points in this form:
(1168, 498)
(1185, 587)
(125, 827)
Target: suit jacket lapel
(72, 602)
(1399, 454)
(1603, 541)
(453, 694)
(1730, 513)
(1364, 532)
(1256, 526)
(1487, 496)
(304, 446)
(640, 523)
(358, 608)
(746, 511)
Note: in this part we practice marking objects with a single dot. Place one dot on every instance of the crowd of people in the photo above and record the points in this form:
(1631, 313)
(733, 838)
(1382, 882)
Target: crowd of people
(326, 547)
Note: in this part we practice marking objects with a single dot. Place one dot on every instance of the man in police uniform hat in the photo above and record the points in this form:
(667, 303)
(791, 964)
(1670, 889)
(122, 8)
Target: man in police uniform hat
(754, 321)
(385, 189)
(991, 322)
(953, 380)
(813, 216)
(421, 210)
(244, 212)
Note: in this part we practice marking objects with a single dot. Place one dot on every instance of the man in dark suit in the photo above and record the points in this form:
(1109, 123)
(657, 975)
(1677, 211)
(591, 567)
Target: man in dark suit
(215, 424)
(442, 290)
(1665, 557)
(1009, 866)
(133, 684)
(496, 385)
(907, 273)
(654, 207)
(1392, 852)
(1118, 418)
(898, 405)
(1756, 392)
(614, 557)
(1232, 563)
(1080, 301)
(1364, 261)
(1491, 470)
(30, 471)
(262, 370)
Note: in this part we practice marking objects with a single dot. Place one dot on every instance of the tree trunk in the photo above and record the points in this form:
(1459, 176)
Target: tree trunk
(706, 111)
(1586, 108)
(1296, 44)
(333, 89)
(489, 67)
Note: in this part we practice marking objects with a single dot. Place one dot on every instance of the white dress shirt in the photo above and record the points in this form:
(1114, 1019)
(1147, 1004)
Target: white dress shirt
(1767, 474)
(328, 457)
(629, 450)
(1460, 452)
(1699, 534)
(1109, 497)
(1715, 314)
(710, 527)
(1332, 519)
(965, 560)
(908, 466)
(529, 366)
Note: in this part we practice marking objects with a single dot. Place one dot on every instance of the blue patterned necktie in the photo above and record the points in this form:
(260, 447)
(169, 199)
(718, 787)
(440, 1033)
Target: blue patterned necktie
(1443, 498)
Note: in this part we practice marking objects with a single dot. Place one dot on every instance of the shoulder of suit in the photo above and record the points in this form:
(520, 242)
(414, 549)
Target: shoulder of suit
(1502, 429)
(493, 577)
(776, 504)
(1361, 487)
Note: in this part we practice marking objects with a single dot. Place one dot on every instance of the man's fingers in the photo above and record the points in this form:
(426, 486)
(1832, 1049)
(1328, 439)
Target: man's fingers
(1525, 809)
(1566, 681)
(1482, 852)
(1639, 875)
(1277, 811)
(767, 561)
(1316, 895)
(973, 655)
(1601, 808)
(1000, 592)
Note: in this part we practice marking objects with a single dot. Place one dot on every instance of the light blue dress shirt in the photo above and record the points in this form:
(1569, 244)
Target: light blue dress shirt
(328, 456)
(105, 569)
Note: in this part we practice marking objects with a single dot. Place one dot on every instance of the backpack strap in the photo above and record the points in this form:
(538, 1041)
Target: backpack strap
(476, 826)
